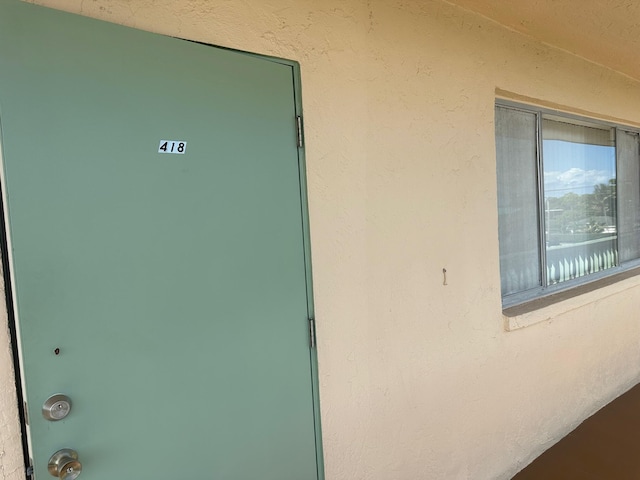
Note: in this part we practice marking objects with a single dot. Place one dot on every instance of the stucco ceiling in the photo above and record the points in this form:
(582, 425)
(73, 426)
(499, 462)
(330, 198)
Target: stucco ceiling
(604, 31)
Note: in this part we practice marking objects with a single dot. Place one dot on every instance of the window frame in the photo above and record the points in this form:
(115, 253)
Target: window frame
(546, 294)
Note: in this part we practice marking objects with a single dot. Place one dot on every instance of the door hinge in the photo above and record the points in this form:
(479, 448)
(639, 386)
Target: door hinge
(312, 332)
(299, 134)
(26, 413)
(29, 471)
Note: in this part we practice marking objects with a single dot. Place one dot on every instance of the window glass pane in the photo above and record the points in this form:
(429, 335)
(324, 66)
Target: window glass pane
(517, 200)
(629, 196)
(579, 164)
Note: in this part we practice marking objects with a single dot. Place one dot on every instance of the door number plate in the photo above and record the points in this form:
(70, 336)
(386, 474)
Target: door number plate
(172, 146)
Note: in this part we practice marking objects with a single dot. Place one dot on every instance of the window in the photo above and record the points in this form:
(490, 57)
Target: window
(568, 200)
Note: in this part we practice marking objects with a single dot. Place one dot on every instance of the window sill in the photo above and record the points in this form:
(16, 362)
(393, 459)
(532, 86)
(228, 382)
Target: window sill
(548, 307)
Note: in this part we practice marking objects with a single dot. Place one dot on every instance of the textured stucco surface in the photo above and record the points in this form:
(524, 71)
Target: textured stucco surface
(11, 462)
(419, 379)
(604, 31)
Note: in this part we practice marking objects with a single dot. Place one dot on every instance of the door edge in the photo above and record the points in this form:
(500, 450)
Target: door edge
(13, 324)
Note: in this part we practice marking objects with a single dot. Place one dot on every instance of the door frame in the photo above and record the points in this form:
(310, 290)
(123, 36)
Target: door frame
(14, 334)
(9, 285)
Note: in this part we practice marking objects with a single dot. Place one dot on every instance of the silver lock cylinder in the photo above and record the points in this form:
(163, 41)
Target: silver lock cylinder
(64, 464)
(56, 407)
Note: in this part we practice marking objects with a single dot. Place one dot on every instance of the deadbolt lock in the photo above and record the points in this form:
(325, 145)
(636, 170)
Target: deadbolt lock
(56, 407)
(64, 464)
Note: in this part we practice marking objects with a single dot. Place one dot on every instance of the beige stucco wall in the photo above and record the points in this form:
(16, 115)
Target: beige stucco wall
(11, 463)
(418, 380)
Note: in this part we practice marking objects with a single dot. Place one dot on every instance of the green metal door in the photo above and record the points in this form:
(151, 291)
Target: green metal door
(163, 292)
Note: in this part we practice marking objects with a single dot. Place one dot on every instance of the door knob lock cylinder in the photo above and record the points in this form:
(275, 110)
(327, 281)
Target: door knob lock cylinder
(64, 464)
